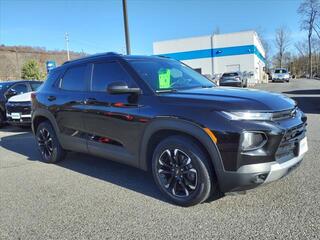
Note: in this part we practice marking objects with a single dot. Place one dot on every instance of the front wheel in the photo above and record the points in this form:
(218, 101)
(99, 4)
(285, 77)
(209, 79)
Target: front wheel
(182, 171)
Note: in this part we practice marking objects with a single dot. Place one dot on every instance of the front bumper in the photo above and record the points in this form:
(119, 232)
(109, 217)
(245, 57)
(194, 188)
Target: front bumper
(230, 84)
(24, 120)
(254, 175)
(244, 170)
(280, 79)
(18, 113)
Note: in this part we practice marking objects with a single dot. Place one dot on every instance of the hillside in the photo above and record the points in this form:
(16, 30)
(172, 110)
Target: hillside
(12, 59)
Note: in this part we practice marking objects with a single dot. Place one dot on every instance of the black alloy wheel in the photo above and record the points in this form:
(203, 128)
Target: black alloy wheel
(48, 143)
(2, 120)
(45, 143)
(177, 173)
(182, 171)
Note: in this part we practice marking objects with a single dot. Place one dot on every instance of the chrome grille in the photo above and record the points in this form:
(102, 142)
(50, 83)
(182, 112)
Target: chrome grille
(284, 114)
(289, 144)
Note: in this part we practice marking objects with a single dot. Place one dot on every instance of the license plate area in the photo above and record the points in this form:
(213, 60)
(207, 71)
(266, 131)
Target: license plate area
(16, 116)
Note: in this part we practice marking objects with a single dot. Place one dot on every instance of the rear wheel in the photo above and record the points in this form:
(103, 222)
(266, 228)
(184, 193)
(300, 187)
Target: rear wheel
(2, 120)
(49, 146)
(182, 172)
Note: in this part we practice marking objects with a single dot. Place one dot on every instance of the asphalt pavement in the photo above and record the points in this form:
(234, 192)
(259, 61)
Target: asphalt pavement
(84, 197)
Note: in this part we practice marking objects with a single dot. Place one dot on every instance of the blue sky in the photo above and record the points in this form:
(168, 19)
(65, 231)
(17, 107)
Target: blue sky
(97, 25)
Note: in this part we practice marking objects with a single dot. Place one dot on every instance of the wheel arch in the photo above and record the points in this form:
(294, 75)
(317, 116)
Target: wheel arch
(2, 109)
(158, 129)
(40, 115)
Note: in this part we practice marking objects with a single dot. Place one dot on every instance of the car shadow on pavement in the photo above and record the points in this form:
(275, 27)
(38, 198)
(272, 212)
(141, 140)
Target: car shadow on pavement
(112, 172)
(15, 129)
(304, 92)
(308, 104)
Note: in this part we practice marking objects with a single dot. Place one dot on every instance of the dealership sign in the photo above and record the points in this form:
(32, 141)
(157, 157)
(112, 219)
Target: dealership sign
(50, 65)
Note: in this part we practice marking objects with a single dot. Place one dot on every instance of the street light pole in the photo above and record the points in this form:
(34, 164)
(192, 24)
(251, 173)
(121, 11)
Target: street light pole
(67, 45)
(126, 27)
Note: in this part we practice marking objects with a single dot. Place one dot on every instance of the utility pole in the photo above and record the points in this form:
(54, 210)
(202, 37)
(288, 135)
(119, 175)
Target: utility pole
(126, 27)
(67, 44)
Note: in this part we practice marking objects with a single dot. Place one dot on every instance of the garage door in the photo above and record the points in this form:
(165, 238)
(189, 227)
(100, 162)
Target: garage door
(233, 68)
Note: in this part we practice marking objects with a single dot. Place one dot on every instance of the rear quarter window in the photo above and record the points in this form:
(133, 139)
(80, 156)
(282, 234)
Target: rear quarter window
(52, 79)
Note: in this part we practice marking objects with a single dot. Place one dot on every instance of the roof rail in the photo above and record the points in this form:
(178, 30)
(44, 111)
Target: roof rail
(93, 56)
(163, 56)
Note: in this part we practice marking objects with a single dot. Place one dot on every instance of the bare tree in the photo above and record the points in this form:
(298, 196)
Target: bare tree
(302, 48)
(309, 11)
(282, 42)
(266, 45)
(216, 30)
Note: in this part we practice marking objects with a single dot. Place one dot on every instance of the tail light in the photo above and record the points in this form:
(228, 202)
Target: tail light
(33, 96)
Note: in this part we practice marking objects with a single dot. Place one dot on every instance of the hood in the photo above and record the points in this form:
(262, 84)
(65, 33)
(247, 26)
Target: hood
(231, 99)
(25, 97)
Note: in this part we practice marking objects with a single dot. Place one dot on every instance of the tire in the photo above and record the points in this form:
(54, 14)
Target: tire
(190, 181)
(2, 119)
(48, 143)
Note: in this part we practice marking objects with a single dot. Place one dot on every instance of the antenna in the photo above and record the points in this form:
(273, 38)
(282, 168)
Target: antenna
(126, 27)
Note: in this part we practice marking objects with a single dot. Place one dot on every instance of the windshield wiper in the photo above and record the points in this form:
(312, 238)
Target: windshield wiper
(166, 90)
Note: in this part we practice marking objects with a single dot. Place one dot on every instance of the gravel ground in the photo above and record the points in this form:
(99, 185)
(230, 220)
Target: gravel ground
(90, 198)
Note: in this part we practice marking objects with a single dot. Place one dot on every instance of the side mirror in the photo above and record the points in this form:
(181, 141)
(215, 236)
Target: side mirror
(11, 92)
(121, 88)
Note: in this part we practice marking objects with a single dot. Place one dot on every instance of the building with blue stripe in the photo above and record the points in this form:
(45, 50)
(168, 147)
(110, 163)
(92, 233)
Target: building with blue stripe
(216, 54)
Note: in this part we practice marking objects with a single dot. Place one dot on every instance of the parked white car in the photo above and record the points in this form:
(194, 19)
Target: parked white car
(18, 109)
(280, 75)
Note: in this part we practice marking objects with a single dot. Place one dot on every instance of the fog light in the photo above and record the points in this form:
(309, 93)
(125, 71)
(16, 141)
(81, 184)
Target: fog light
(253, 140)
(260, 178)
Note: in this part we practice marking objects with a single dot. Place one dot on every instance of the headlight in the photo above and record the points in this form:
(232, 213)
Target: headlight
(248, 115)
(253, 140)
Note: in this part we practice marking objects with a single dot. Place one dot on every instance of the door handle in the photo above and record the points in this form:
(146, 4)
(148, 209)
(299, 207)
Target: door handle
(89, 101)
(52, 98)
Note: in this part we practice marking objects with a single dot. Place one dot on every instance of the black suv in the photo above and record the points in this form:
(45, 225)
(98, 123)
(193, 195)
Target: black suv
(12, 88)
(157, 114)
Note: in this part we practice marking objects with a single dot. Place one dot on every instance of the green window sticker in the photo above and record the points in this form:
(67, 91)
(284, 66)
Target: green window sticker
(164, 78)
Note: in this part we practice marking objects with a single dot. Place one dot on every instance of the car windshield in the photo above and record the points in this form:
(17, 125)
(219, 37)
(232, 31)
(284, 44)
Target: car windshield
(35, 85)
(168, 74)
(280, 71)
(4, 86)
(234, 74)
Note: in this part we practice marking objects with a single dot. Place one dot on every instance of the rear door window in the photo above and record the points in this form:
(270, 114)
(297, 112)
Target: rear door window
(106, 72)
(74, 79)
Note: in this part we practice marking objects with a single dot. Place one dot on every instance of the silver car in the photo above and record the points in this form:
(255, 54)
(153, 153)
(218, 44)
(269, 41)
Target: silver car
(233, 79)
